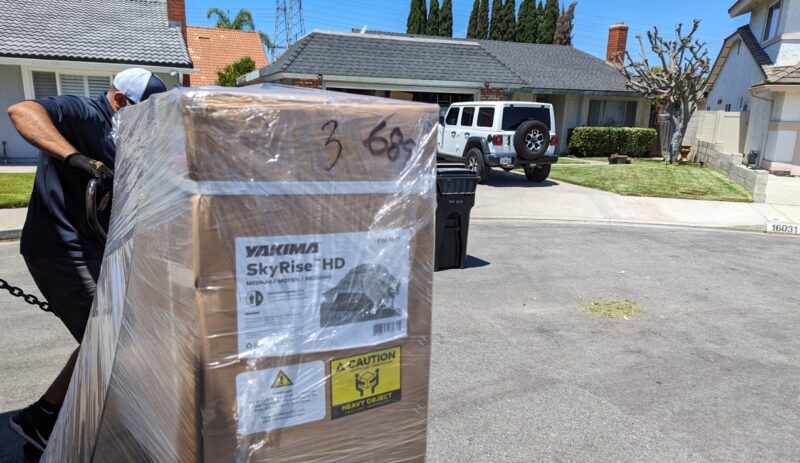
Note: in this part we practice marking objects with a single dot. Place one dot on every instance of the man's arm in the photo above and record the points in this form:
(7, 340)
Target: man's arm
(34, 124)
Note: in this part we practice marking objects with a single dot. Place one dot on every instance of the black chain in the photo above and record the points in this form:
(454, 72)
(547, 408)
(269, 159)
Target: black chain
(29, 298)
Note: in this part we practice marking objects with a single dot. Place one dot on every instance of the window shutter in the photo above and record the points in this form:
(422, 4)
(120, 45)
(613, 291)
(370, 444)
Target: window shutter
(98, 85)
(44, 84)
(595, 107)
(630, 114)
(72, 85)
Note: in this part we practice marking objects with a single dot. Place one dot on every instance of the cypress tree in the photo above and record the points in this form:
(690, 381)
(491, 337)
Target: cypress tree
(497, 29)
(539, 16)
(527, 23)
(472, 26)
(483, 20)
(564, 26)
(548, 20)
(433, 19)
(417, 18)
(510, 19)
(446, 18)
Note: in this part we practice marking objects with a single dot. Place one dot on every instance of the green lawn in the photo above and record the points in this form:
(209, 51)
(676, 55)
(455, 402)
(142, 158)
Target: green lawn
(15, 190)
(654, 178)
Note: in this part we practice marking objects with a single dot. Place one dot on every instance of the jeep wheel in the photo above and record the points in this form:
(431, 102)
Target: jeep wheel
(537, 173)
(476, 164)
(531, 140)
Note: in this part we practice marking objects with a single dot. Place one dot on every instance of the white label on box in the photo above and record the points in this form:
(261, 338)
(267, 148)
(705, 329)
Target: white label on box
(280, 397)
(314, 293)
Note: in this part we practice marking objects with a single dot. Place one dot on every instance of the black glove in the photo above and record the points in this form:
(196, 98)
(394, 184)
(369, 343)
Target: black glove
(94, 168)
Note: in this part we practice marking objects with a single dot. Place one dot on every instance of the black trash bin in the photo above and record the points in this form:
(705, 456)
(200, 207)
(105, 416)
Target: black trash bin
(455, 196)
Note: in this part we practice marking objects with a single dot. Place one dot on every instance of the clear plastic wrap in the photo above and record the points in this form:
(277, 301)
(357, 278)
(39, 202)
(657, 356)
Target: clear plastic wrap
(266, 289)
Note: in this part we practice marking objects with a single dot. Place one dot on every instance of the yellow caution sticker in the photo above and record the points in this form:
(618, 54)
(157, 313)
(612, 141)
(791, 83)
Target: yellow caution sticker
(364, 382)
(282, 380)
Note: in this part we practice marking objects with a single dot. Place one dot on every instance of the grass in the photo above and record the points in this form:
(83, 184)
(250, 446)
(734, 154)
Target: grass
(654, 178)
(617, 310)
(15, 190)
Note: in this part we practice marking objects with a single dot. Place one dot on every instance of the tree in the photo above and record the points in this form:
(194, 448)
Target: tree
(472, 26)
(483, 20)
(678, 78)
(433, 19)
(547, 22)
(417, 18)
(227, 76)
(243, 21)
(510, 19)
(446, 18)
(564, 26)
(497, 29)
(523, 28)
(539, 19)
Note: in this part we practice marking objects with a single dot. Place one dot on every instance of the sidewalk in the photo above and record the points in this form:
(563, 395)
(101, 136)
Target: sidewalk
(510, 196)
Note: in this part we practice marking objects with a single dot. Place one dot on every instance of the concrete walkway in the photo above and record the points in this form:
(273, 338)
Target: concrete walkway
(511, 196)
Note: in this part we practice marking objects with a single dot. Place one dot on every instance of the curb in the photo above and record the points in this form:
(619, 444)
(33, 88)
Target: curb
(11, 234)
(760, 228)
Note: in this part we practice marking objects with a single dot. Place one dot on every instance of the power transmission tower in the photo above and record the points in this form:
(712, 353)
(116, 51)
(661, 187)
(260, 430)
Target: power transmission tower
(289, 24)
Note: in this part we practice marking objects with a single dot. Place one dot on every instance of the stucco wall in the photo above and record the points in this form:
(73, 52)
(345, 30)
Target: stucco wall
(758, 128)
(785, 50)
(732, 87)
(19, 151)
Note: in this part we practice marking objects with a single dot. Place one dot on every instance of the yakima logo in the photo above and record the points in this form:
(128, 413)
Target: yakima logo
(292, 249)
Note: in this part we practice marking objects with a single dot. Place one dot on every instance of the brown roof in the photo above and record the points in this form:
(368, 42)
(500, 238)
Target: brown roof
(212, 49)
(785, 75)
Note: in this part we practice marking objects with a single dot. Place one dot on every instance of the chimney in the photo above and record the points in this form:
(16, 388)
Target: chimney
(176, 13)
(617, 43)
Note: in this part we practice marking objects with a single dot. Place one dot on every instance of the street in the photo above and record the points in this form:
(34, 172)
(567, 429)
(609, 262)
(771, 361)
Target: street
(709, 372)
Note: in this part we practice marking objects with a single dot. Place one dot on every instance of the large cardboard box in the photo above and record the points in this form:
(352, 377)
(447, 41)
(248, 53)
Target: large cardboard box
(266, 290)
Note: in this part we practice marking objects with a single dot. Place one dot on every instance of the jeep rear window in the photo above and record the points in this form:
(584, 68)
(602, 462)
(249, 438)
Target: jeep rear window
(485, 117)
(467, 114)
(513, 117)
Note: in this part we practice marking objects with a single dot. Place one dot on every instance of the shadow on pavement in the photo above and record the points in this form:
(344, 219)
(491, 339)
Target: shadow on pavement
(503, 179)
(472, 262)
(14, 449)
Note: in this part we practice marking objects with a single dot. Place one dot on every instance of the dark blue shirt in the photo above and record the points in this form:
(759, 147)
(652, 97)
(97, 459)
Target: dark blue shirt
(56, 225)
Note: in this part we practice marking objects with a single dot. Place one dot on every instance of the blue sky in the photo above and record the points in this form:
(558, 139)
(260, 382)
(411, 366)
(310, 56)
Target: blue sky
(591, 24)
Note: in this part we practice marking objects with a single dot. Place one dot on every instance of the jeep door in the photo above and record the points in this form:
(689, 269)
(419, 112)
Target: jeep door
(464, 129)
(447, 133)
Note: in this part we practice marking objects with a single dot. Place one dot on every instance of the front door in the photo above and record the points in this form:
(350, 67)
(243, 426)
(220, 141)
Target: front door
(447, 133)
(464, 130)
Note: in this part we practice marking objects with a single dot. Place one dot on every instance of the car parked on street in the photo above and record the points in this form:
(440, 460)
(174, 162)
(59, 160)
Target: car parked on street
(504, 134)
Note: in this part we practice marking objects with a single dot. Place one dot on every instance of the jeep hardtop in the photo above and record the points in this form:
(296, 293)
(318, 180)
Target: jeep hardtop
(504, 134)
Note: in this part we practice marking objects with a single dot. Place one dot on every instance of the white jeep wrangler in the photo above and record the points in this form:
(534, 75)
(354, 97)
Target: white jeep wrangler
(505, 134)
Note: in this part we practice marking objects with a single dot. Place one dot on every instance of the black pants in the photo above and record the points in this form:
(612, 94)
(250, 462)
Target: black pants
(69, 285)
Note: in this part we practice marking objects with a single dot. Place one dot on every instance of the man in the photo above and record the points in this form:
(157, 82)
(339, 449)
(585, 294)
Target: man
(61, 251)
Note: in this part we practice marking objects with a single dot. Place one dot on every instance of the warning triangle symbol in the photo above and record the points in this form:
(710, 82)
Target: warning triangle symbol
(282, 380)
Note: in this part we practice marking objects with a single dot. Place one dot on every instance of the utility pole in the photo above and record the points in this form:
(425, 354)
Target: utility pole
(289, 24)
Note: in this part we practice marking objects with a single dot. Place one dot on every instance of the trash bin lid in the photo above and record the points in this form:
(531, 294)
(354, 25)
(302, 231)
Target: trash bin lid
(458, 181)
(455, 172)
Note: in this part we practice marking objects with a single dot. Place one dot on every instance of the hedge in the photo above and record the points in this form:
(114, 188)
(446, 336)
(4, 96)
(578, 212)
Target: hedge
(611, 140)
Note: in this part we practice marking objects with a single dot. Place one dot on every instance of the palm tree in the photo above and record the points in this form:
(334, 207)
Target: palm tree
(243, 21)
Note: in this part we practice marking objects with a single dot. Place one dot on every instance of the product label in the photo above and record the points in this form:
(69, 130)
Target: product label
(364, 382)
(312, 293)
(280, 397)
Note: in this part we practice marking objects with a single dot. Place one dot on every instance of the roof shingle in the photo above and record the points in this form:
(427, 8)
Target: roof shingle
(115, 31)
(212, 49)
(542, 67)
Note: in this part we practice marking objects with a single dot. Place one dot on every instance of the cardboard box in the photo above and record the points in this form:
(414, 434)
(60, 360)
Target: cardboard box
(266, 292)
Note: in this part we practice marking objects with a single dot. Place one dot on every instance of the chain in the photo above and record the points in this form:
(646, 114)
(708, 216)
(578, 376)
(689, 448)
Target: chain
(29, 298)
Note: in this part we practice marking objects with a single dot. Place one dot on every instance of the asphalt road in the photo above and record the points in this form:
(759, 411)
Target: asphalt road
(711, 371)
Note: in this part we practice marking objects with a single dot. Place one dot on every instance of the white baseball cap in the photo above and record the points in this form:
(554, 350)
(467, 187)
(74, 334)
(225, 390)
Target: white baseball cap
(138, 84)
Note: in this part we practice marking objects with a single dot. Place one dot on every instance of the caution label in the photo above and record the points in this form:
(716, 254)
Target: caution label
(365, 381)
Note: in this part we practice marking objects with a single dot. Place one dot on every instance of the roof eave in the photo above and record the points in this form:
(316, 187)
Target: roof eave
(83, 60)
(741, 7)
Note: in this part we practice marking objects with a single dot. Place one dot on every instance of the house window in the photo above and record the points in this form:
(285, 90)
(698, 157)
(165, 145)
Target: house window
(467, 115)
(485, 117)
(54, 84)
(745, 108)
(773, 19)
(611, 113)
(728, 108)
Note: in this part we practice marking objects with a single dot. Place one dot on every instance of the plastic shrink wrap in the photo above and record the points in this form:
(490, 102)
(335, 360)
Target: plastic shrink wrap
(266, 288)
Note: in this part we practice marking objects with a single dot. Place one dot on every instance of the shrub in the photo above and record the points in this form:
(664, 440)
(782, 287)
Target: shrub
(610, 140)
(227, 76)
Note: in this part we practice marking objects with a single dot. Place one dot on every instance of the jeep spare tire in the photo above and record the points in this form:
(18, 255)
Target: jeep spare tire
(531, 140)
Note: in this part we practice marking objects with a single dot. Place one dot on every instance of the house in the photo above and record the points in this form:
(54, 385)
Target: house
(75, 47)
(758, 71)
(212, 49)
(583, 89)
